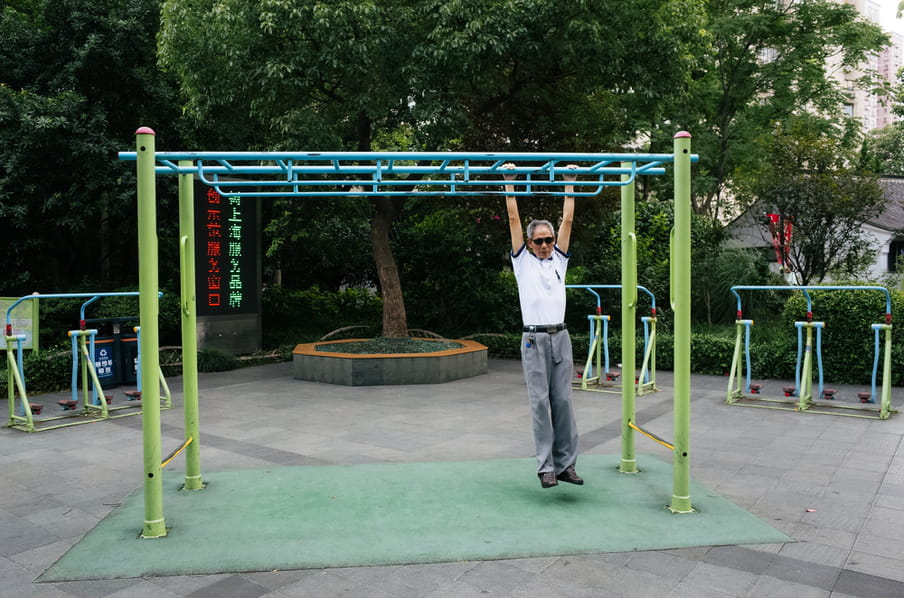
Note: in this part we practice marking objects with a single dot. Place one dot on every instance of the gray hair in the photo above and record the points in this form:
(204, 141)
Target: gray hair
(536, 223)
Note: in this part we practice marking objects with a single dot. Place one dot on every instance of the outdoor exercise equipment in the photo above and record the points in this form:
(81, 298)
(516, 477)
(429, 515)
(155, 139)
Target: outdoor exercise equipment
(809, 343)
(597, 375)
(94, 401)
(388, 174)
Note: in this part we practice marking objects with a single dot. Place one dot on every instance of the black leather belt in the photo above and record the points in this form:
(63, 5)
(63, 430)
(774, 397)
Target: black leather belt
(547, 328)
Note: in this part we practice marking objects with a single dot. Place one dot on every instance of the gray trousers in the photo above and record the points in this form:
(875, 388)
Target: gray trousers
(548, 371)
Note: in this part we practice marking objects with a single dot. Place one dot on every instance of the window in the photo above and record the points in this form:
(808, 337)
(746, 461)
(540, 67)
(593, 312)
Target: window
(895, 253)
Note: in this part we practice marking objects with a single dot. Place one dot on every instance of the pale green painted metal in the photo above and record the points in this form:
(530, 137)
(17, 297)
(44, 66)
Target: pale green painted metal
(886, 409)
(805, 401)
(595, 351)
(681, 307)
(628, 463)
(15, 382)
(736, 374)
(805, 393)
(154, 522)
(460, 170)
(648, 365)
(89, 374)
(89, 412)
(193, 478)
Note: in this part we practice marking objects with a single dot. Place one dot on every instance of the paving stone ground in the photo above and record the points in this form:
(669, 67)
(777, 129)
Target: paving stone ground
(834, 484)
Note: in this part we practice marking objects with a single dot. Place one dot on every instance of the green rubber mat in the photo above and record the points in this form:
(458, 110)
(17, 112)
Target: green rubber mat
(404, 513)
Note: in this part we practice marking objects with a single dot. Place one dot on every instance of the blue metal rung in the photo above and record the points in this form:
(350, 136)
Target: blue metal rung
(390, 174)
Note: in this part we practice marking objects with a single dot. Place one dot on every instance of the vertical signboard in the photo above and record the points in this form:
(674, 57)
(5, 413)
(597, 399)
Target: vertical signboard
(24, 320)
(227, 266)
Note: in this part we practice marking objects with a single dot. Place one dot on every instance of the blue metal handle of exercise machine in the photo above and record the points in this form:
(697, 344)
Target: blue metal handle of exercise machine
(877, 328)
(747, 324)
(806, 289)
(645, 319)
(591, 287)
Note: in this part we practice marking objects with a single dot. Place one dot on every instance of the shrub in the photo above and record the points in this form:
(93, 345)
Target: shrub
(213, 360)
(847, 339)
(291, 316)
(47, 371)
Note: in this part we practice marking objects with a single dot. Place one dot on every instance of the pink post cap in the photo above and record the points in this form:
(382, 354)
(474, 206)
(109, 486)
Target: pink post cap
(681, 135)
(145, 131)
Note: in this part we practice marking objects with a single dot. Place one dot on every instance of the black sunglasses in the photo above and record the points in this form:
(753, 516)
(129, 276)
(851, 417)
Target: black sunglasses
(541, 240)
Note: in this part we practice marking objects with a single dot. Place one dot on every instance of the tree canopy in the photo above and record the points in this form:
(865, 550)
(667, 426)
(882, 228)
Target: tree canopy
(77, 79)
(764, 63)
(809, 179)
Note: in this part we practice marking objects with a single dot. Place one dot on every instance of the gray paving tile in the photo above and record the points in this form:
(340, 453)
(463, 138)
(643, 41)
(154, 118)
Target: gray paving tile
(803, 572)
(739, 558)
(776, 464)
(726, 580)
(890, 566)
(859, 584)
(667, 566)
(769, 587)
(234, 586)
(815, 552)
(495, 577)
(93, 589)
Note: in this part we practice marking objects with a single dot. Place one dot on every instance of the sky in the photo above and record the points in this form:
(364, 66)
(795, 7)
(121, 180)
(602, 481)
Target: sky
(889, 22)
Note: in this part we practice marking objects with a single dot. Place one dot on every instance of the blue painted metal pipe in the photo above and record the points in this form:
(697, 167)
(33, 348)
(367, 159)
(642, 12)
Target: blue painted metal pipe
(807, 289)
(590, 288)
(389, 174)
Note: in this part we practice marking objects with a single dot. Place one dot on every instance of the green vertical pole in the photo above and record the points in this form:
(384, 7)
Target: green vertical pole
(193, 479)
(885, 409)
(628, 304)
(154, 524)
(681, 307)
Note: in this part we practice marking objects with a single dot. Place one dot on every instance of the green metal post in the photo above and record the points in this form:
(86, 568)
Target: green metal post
(629, 304)
(806, 376)
(735, 373)
(681, 307)
(83, 370)
(885, 409)
(154, 524)
(193, 479)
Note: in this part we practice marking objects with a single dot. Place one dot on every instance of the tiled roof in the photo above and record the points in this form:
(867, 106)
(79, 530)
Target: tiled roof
(892, 217)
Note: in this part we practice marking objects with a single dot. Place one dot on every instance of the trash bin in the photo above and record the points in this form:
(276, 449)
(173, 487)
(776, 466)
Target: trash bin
(115, 353)
(128, 353)
(106, 361)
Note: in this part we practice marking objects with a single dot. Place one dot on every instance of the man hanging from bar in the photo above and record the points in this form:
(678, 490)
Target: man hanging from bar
(546, 356)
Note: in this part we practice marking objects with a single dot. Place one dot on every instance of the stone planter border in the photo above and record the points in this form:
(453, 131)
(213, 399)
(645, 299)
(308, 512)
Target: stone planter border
(383, 369)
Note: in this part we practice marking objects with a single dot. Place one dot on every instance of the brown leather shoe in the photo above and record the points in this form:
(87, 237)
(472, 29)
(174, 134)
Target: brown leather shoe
(570, 476)
(548, 479)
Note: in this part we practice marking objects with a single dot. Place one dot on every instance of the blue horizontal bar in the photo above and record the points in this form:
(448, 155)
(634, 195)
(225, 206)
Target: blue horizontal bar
(15, 303)
(807, 289)
(389, 174)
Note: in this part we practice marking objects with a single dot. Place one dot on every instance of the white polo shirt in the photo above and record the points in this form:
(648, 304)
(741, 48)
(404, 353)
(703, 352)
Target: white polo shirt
(541, 286)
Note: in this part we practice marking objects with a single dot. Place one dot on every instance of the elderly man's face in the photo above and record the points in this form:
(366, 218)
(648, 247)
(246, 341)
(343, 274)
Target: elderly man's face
(541, 242)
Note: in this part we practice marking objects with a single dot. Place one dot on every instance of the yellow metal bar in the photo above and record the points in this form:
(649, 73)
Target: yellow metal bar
(176, 452)
(652, 436)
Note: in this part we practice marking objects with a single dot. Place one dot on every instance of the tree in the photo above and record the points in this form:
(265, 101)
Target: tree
(808, 179)
(419, 74)
(766, 63)
(76, 80)
(882, 153)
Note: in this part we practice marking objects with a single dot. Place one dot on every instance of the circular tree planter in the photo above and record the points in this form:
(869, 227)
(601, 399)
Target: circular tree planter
(383, 369)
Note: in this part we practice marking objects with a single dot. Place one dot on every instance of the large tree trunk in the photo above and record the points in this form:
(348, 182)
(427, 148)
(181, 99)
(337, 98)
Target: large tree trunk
(395, 321)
